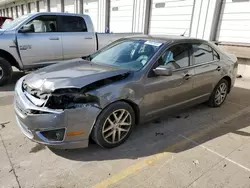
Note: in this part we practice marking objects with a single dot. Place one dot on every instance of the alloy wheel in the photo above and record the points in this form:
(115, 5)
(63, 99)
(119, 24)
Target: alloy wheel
(117, 126)
(221, 93)
(1, 73)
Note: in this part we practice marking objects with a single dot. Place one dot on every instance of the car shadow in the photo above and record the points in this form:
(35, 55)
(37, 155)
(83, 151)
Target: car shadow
(11, 85)
(199, 124)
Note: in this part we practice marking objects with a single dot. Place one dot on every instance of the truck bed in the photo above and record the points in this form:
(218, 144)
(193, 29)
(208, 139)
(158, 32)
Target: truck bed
(106, 38)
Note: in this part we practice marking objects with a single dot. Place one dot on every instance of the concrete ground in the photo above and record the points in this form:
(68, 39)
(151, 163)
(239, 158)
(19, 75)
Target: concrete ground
(198, 147)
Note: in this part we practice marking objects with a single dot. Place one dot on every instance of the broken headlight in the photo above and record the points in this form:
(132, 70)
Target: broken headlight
(70, 98)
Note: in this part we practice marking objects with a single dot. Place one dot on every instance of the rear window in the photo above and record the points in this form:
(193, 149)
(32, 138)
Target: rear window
(72, 24)
(202, 53)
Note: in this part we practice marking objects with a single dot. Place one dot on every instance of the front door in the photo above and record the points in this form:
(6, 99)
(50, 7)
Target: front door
(44, 44)
(166, 92)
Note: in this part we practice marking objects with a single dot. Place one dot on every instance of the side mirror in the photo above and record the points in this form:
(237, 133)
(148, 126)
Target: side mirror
(27, 29)
(163, 71)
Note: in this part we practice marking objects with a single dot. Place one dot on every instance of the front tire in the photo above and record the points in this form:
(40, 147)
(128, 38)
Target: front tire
(219, 94)
(5, 71)
(114, 125)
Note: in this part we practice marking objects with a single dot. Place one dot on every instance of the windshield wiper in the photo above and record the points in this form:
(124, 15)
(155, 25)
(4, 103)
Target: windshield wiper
(88, 57)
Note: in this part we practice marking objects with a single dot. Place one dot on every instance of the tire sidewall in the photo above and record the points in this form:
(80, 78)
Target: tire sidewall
(97, 129)
(7, 71)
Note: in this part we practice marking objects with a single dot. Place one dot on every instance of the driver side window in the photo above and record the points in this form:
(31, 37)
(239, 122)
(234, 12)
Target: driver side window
(44, 24)
(176, 57)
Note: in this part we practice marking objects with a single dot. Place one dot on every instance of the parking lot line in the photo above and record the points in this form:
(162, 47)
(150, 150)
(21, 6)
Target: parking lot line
(154, 158)
(236, 104)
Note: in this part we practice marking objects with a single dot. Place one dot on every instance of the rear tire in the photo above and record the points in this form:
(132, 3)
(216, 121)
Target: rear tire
(5, 71)
(114, 125)
(219, 94)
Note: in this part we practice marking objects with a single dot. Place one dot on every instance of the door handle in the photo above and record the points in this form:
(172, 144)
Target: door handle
(54, 38)
(187, 76)
(88, 38)
(218, 68)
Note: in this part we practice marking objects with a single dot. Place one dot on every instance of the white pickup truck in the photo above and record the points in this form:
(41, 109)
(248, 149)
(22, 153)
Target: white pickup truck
(39, 39)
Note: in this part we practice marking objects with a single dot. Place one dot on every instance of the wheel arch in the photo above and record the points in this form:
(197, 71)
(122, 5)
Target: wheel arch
(6, 55)
(132, 104)
(135, 108)
(229, 80)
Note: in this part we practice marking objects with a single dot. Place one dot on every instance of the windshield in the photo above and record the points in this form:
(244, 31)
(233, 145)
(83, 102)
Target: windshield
(131, 54)
(15, 22)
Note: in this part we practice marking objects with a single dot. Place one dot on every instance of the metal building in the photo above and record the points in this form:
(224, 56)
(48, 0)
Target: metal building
(227, 21)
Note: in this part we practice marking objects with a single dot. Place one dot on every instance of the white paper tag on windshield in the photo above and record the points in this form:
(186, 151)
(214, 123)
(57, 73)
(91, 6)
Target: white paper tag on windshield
(153, 43)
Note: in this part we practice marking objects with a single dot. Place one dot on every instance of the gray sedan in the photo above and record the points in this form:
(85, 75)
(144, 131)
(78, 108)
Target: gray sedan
(133, 80)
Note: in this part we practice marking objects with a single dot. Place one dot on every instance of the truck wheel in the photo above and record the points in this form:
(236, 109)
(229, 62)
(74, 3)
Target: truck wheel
(5, 71)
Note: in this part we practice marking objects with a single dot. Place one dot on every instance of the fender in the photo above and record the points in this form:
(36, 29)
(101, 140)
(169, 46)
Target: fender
(9, 48)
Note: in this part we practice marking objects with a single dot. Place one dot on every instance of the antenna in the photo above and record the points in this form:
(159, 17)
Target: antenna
(184, 33)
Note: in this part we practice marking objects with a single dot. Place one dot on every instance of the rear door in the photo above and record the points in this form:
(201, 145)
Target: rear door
(42, 45)
(76, 39)
(208, 69)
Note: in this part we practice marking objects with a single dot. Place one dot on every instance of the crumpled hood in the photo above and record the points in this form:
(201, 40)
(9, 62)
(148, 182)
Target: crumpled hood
(2, 31)
(76, 73)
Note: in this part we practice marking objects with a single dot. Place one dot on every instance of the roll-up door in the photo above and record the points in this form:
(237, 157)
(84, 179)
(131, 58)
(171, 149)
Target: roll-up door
(32, 7)
(25, 9)
(234, 25)
(42, 6)
(171, 17)
(53, 6)
(91, 8)
(121, 16)
(69, 6)
(19, 11)
(9, 12)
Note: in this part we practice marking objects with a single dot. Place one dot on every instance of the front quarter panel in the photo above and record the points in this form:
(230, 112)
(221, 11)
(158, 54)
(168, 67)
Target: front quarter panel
(122, 90)
(8, 44)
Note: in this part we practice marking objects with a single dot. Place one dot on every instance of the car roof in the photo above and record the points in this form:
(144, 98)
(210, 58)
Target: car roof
(57, 13)
(165, 38)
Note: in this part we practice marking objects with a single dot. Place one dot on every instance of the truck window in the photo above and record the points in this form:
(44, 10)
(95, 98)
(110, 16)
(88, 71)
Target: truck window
(44, 24)
(72, 24)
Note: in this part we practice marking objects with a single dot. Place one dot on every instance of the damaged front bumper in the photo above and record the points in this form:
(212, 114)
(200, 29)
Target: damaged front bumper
(54, 128)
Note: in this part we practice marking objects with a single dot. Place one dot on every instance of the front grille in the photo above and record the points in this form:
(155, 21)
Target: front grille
(34, 92)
